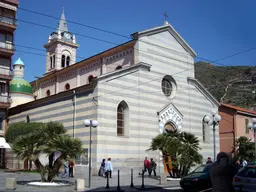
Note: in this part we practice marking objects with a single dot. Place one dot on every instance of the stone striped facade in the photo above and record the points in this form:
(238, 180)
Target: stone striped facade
(155, 53)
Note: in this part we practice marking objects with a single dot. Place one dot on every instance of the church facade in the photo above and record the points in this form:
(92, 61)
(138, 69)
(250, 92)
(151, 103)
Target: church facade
(134, 90)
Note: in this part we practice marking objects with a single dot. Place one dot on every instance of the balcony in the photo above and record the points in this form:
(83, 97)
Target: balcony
(5, 73)
(5, 101)
(6, 49)
(8, 24)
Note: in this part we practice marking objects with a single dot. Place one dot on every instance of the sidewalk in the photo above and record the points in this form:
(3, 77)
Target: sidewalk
(96, 184)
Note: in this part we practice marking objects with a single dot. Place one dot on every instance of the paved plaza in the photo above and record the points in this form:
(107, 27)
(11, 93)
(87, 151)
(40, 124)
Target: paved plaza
(98, 183)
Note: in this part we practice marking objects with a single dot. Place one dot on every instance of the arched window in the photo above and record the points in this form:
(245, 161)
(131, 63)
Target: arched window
(119, 67)
(67, 61)
(51, 66)
(90, 78)
(67, 86)
(48, 93)
(122, 119)
(54, 61)
(63, 58)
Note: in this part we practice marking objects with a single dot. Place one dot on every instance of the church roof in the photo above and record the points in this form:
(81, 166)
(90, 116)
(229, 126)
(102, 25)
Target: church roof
(19, 85)
(62, 25)
(18, 62)
(166, 27)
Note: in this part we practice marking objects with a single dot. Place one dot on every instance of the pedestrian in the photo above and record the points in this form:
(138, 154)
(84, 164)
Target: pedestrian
(66, 169)
(209, 160)
(222, 173)
(102, 168)
(108, 168)
(146, 166)
(152, 167)
(70, 166)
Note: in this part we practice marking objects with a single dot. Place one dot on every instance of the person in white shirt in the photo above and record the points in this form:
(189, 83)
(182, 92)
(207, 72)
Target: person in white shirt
(108, 168)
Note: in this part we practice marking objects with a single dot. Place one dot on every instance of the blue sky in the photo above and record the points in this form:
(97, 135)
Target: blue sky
(213, 28)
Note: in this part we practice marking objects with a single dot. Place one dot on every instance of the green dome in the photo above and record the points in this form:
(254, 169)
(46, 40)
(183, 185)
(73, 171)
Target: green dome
(18, 85)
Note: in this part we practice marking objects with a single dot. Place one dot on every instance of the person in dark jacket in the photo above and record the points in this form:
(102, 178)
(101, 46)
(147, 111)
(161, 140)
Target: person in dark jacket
(209, 160)
(222, 173)
(152, 167)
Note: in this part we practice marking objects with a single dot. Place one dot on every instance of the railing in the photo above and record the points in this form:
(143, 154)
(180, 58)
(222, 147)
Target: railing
(5, 99)
(8, 20)
(5, 45)
(4, 71)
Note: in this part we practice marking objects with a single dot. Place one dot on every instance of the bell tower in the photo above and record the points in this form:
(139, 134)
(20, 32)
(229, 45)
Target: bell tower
(61, 47)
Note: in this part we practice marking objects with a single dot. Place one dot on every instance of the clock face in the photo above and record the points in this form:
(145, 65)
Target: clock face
(67, 35)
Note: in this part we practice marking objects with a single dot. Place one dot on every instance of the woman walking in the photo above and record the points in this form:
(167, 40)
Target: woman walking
(102, 168)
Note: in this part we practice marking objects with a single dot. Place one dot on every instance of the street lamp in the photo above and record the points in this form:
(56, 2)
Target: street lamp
(252, 126)
(94, 124)
(213, 120)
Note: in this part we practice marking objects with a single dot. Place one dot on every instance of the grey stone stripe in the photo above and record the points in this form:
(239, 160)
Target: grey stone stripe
(45, 111)
(148, 77)
(87, 110)
(86, 133)
(146, 55)
(133, 151)
(171, 56)
(121, 143)
(91, 116)
(170, 52)
(121, 151)
(56, 100)
(106, 97)
(105, 113)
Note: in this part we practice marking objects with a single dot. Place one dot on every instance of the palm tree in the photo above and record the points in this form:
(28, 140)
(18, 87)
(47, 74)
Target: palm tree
(47, 139)
(183, 149)
(244, 149)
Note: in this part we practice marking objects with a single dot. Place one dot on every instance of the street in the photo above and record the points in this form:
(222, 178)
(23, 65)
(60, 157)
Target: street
(98, 183)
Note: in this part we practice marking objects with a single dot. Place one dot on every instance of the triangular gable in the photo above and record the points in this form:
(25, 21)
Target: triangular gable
(171, 30)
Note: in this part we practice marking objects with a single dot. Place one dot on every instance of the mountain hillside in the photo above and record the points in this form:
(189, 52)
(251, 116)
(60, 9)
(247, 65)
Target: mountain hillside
(234, 83)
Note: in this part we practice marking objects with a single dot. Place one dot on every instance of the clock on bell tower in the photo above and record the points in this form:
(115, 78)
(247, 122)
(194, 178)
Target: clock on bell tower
(61, 47)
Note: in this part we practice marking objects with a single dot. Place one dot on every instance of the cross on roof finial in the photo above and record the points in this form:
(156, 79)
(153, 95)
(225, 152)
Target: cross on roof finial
(165, 16)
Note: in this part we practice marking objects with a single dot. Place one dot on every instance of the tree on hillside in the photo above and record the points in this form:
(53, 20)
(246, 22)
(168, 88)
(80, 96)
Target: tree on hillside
(47, 138)
(244, 149)
(183, 149)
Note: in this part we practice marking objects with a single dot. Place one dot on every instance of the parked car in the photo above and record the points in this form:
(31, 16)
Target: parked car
(245, 179)
(197, 180)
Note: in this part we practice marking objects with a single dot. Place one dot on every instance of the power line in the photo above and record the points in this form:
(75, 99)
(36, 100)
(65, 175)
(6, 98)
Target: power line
(125, 87)
(76, 23)
(124, 36)
(160, 55)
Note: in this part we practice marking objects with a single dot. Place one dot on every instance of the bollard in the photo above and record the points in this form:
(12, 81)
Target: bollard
(131, 178)
(107, 186)
(142, 184)
(118, 182)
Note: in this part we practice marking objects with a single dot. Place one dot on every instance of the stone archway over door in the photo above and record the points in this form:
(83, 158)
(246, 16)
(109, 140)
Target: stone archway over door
(169, 127)
(169, 117)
